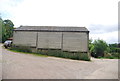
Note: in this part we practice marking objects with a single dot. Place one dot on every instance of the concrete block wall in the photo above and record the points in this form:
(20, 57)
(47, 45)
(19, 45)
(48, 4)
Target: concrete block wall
(75, 41)
(49, 40)
(24, 38)
(67, 41)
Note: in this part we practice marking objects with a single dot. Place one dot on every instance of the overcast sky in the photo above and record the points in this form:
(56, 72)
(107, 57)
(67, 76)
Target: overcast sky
(99, 16)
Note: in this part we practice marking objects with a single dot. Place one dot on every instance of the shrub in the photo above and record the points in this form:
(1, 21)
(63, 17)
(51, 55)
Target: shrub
(21, 48)
(56, 53)
(100, 47)
(108, 55)
(63, 54)
(111, 56)
(116, 55)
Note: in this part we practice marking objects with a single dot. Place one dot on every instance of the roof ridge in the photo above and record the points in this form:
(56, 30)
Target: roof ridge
(52, 28)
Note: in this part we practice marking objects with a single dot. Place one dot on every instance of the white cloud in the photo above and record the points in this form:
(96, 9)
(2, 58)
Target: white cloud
(111, 37)
(64, 13)
(99, 28)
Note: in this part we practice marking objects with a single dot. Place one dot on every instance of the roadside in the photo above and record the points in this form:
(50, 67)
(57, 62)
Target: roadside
(27, 66)
(0, 61)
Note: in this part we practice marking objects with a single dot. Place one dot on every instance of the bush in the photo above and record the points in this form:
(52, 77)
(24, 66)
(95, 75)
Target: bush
(21, 48)
(116, 55)
(98, 48)
(108, 55)
(56, 53)
(60, 53)
(111, 56)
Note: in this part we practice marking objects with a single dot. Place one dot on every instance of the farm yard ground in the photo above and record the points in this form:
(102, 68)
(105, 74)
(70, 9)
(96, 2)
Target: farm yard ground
(27, 66)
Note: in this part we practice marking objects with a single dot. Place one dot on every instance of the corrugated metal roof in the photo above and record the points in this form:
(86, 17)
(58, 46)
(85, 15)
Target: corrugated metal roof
(51, 28)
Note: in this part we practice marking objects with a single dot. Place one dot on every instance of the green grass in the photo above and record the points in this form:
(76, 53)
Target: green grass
(111, 56)
(56, 53)
(51, 52)
(62, 54)
(36, 54)
(108, 58)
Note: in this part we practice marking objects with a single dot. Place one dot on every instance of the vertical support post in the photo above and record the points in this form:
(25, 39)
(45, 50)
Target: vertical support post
(37, 41)
(88, 42)
(62, 42)
(88, 45)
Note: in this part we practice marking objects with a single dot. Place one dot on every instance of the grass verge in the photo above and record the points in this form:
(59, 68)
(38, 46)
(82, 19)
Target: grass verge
(36, 54)
(51, 52)
(111, 56)
(63, 54)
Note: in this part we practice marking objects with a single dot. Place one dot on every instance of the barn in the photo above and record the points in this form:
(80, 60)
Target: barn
(52, 37)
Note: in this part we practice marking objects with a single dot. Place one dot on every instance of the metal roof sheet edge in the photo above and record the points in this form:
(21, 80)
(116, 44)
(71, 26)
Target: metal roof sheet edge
(52, 28)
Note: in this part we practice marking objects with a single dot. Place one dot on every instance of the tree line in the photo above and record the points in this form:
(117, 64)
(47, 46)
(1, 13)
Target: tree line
(100, 49)
(6, 29)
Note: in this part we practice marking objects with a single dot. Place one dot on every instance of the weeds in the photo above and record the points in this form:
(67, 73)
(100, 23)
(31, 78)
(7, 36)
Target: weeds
(50, 52)
(70, 55)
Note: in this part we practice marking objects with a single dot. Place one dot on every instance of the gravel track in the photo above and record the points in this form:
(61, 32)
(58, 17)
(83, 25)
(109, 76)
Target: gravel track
(27, 66)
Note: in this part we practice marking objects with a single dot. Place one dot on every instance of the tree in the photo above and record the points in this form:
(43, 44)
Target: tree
(118, 45)
(7, 29)
(100, 47)
(114, 48)
(91, 47)
(1, 23)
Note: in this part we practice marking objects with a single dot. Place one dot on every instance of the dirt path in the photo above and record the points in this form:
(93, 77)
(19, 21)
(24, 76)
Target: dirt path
(25, 66)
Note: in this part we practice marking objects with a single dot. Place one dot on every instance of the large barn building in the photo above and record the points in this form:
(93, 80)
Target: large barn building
(52, 37)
